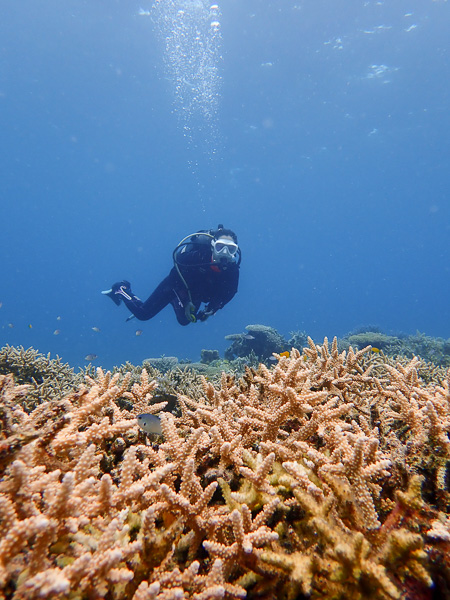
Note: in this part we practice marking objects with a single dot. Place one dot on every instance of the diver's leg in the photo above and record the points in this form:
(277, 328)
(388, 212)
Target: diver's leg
(160, 298)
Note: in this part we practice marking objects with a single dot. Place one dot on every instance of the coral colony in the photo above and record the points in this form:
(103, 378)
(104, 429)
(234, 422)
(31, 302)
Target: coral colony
(323, 475)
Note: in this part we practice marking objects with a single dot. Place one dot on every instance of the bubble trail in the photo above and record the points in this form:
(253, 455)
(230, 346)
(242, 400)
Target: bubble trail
(190, 31)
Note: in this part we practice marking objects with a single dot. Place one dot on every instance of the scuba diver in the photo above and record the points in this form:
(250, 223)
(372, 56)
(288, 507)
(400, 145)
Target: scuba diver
(206, 270)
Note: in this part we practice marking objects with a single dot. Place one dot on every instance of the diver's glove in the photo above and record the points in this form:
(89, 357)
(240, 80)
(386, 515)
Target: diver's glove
(202, 315)
(189, 311)
(119, 291)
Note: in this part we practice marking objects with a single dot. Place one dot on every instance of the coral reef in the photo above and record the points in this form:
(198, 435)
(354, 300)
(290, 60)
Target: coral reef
(388, 343)
(433, 353)
(48, 377)
(298, 339)
(430, 349)
(184, 379)
(262, 340)
(323, 476)
(208, 356)
(163, 363)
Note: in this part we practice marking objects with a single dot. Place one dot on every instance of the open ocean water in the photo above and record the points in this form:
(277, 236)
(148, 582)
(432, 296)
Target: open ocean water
(318, 130)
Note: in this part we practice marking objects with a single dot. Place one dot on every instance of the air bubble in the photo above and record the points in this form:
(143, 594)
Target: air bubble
(190, 31)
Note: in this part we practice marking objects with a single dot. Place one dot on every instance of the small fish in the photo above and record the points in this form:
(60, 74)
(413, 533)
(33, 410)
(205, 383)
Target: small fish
(57, 332)
(282, 354)
(377, 350)
(96, 329)
(139, 332)
(58, 318)
(149, 423)
(30, 326)
(10, 325)
(1, 304)
(247, 336)
(90, 357)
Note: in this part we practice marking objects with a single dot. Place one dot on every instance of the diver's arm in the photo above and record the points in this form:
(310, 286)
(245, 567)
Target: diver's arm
(226, 292)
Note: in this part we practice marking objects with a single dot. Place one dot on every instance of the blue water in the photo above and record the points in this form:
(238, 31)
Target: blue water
(328, 154)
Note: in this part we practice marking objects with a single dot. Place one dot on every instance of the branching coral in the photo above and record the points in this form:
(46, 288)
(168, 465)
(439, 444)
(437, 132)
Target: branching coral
(325, 475)
(47, 377)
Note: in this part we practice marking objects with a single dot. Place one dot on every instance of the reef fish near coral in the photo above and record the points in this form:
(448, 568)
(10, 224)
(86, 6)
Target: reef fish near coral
(150, 423)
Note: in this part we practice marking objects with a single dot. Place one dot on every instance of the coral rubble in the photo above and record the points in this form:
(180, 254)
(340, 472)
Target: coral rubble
(324, 476)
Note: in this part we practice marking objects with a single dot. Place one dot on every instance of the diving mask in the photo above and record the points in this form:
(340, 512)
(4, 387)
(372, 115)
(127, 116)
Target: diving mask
(224, 249)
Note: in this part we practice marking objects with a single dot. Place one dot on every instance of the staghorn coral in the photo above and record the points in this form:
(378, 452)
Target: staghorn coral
(176, 380)
(434, 351)
(325, 475)
(428, 372)
(47, 377)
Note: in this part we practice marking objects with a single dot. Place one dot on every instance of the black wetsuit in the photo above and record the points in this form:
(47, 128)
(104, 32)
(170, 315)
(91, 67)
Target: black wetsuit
(210, 283)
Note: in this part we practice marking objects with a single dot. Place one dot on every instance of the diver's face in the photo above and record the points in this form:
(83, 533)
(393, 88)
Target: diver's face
(224, 249)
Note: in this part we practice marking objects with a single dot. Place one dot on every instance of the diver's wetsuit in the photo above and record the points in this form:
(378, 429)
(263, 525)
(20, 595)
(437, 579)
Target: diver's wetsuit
(213, 284)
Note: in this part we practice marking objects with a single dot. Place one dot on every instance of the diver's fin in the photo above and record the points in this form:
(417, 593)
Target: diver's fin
(114, 297)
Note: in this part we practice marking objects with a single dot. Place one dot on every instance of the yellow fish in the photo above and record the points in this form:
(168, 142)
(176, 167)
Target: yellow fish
(377, 350)
(285, 354)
